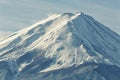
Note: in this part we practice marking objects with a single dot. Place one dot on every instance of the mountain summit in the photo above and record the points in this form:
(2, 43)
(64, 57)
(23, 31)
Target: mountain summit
(69, 46)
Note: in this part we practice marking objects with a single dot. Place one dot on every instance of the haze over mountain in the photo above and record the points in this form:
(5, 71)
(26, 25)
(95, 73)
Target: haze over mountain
(68, 46)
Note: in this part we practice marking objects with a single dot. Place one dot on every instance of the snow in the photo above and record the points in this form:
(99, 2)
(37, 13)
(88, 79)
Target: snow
(59, 42)
(53, 67)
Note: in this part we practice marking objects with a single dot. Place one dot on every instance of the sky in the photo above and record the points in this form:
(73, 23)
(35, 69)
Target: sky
(18, 14)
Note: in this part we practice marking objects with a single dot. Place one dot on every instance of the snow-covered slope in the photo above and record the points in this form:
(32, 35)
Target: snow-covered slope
(62, 41)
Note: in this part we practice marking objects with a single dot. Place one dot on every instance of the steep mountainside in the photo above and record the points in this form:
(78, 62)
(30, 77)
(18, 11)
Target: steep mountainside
(69, 46)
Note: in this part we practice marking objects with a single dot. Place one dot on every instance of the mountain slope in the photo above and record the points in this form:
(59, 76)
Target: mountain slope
(86, 71)
(62, 41)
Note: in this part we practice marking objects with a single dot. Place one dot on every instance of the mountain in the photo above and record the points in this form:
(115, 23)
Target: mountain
(68, 46)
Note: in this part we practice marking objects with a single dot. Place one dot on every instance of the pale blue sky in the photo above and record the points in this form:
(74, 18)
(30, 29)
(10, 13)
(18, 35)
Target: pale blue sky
(18, 14)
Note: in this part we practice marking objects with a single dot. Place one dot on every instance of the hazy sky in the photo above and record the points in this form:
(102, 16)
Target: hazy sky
(18, 14)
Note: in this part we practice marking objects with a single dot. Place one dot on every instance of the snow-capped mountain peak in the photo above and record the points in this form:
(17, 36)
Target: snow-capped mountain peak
(61, 41)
